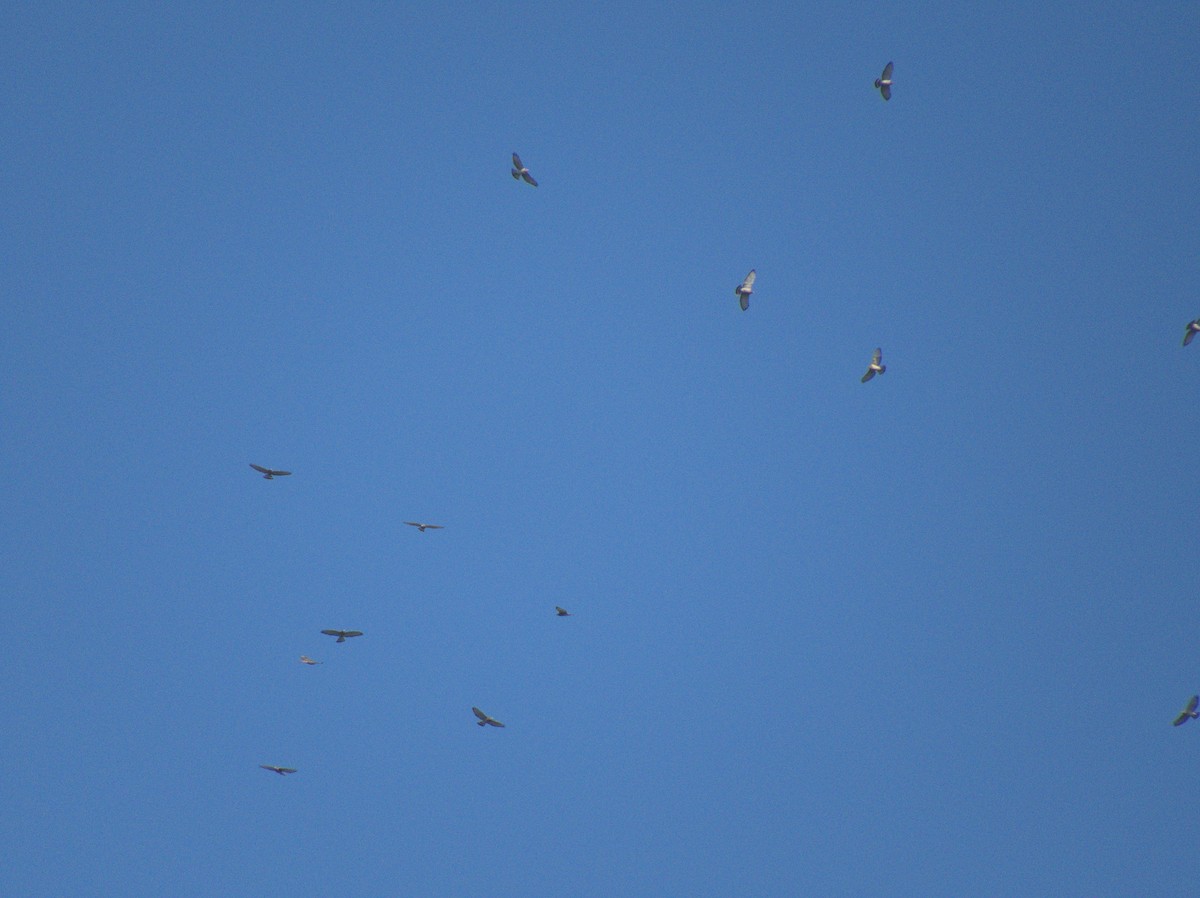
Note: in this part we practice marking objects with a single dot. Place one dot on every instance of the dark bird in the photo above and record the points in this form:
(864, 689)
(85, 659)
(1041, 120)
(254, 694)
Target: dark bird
(875, 367)
(884, 83)
(282, 771)
(269, 474)
(1189, 711)
(520, 171)
(1193, 328)
(484, 720)
(743, 290)
(561, 612)
(304, 659)
(424, 527)
(342, 635)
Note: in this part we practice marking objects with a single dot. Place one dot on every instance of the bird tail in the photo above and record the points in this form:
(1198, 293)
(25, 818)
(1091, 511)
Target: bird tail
(516, 175)
(882, 368)
(481, 723)
(341, 639)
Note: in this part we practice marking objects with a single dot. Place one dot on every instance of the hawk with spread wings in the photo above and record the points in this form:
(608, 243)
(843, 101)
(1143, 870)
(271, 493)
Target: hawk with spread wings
(485, 721)
(884, 83)
(342, 635)
(520, 172)
(269, 473)
(743, 290)
(876, 366)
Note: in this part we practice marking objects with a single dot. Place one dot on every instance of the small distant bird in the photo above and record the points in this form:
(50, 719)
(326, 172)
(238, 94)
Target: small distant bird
(743, 290)
(1189, 711)
(282, 771)
(304, 659)
(561, 612)
(269, 474)
(876, 367)
(484, 720)
(1193, 328)
(424, 527)
(342, 635)
(520, 171)
(884, 83)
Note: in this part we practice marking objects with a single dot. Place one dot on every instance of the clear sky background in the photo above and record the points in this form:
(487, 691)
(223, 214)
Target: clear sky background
(923, 636)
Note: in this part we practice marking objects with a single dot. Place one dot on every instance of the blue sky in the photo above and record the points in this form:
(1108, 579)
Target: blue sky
(923, 636)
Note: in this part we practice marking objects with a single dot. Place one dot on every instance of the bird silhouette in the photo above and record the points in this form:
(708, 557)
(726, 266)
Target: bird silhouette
(268, 473)
(1193, 328)
(743, 290)
(875, 367)
(519, 171)
(561, 612)
(884, 83)
(342, 635)
(1189, 711)
(282, 771)
(484, 720)
(304, 659)
(424, 527)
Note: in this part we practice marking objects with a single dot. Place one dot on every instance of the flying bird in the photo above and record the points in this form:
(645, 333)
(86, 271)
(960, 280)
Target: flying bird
(342, 634)
(1193, 328)
(561, 612)
(304, 659)
(424, 527)
(1189, 711)
(268, 473)
(743, 290)
(884, 83)
(520, 171)
(282, 771)
(484, 720)
(876, 367)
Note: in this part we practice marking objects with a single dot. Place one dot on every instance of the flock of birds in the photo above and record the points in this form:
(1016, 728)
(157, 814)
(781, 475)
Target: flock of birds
(342, 635)
(520, 172)
(484, 719)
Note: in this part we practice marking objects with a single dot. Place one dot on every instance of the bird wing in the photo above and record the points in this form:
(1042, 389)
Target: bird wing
(886, 90)
(286, 769)
(743, 301)
(887, 72)
(352, 633)
(877, 357)
(1188, 335)
(282, 473)
(479, 714)
(414, 524)
(434, 527)
(333, 633)
(1192, 703)
(1182, 718)
(261, 469)
(528, 178)
(870, 373)
(517, 164)
(494, 722)
(749, 280)
(268, 767)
